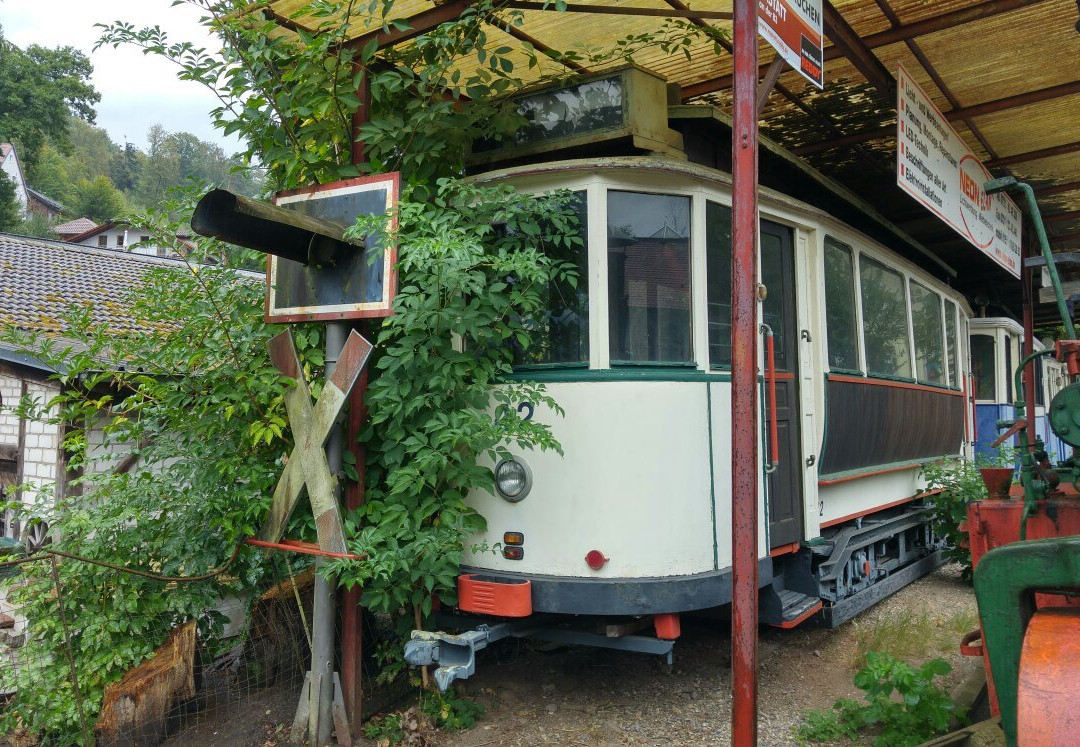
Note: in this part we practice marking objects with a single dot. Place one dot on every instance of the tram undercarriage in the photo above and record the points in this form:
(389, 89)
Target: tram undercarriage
(826, 582)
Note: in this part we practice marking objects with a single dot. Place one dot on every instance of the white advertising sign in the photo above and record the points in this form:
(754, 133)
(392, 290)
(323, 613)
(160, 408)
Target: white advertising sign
(934, 166)
(793, 28)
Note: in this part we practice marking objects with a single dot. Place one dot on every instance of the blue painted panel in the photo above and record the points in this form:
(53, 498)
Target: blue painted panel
(986, 417)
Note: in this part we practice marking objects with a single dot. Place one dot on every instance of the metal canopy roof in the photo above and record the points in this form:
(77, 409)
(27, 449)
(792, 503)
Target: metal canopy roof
(1005, 72)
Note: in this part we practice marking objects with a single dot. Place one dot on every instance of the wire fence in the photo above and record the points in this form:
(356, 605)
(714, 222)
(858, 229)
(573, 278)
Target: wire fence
(238, 685)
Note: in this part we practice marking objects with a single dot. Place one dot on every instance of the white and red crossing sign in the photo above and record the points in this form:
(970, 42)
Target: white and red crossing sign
(793, 28)
(936, 167)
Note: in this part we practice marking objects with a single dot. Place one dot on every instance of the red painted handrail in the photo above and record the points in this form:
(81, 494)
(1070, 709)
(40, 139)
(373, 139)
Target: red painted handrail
(770, 378)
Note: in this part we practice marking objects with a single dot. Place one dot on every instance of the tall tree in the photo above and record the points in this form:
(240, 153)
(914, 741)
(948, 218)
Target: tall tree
(126, 167)
(39, 87)
(10, 210)
(98, 199)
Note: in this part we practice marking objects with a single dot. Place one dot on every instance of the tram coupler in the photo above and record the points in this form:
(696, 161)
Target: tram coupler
(454, 653)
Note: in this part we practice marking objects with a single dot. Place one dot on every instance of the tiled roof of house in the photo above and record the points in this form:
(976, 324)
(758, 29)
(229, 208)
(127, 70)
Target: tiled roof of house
(39, 279)
(75, 227)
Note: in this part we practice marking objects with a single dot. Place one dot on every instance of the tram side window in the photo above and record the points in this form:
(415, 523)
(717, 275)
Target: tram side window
(950, 343)
(560, 331)
(926, 320)
(840, 320)
(649, 278)
(983, 367)
(718, 260)
(885, 325)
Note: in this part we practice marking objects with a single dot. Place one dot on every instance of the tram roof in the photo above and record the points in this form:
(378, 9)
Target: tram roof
(1004, 72)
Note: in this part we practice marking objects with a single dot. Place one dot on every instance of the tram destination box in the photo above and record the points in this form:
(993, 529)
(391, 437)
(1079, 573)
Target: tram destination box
(626, 104)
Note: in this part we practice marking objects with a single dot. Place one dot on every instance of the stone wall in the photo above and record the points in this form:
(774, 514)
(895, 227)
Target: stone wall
(38, 453)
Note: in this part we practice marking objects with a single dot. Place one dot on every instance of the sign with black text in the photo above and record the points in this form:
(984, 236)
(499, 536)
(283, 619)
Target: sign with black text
(936, 167)
(793, 28)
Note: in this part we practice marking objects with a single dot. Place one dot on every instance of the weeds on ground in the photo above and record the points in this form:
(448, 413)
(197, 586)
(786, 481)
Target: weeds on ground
(903, 706)
(416, 725)
(910, 633)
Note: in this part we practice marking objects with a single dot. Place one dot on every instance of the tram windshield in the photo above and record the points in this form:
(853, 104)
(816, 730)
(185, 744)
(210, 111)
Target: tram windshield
(649, 278)
(560, 331)
(983, 366)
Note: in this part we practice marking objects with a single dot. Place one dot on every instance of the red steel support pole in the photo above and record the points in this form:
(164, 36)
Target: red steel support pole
(744, 399)
(352, 617)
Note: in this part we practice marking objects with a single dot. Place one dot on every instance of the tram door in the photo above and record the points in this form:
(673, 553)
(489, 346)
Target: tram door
(785, 484)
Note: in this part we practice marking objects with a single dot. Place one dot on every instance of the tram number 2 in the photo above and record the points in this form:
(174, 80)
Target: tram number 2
(528, 409)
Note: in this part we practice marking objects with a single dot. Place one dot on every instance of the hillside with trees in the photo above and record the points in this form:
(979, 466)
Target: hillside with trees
(47, 111)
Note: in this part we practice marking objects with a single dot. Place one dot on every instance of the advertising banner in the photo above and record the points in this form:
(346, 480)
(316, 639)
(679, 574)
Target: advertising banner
(936, 167)
(793, 28)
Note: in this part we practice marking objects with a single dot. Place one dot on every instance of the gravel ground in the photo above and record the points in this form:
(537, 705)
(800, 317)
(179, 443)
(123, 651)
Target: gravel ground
(576, 696)
(580, 696)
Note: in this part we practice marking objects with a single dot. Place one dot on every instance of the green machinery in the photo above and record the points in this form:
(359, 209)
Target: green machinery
(1008, 578)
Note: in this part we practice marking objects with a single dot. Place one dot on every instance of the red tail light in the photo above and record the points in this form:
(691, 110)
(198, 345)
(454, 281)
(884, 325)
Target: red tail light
(595, 559)
(514, 553)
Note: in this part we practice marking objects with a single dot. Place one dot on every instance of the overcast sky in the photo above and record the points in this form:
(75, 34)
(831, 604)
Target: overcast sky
(137, 90)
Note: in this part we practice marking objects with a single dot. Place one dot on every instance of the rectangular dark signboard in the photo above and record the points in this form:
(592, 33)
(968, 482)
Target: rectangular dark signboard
(358, 286)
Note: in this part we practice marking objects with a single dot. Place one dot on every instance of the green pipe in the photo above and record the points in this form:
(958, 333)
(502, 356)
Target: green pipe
(1028, 467)
(1040, 230)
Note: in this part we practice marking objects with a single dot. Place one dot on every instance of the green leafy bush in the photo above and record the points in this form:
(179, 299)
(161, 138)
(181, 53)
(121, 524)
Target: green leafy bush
(903, 706)
(474, 268)
(955, 483)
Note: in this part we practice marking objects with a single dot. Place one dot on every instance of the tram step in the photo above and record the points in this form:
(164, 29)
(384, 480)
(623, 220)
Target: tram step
(789, 608)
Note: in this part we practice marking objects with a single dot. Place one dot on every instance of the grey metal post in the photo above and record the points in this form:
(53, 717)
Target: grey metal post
(322, 647)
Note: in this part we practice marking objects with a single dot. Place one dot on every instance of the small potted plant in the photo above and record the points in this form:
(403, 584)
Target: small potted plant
(997, 471)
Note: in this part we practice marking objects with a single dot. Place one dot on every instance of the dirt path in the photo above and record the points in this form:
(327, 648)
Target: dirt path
(590, 697)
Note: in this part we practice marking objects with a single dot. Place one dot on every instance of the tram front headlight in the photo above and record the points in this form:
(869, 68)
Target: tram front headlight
(513, 479)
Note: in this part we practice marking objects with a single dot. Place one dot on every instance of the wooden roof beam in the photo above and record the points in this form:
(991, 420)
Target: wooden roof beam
(966, 112)
(1061, 218)
(621, 10)
(1034, 155)
(419, 24)
(857, 52)
(1057, 189)
(890, 36)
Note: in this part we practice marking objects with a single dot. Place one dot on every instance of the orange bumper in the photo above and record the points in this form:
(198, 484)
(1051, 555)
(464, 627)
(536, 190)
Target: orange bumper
(498, 598)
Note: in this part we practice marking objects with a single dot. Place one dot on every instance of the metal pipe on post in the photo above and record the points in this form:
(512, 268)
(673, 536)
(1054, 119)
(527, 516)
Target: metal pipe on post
(744, 400)
(321, 693)
(1029, 343)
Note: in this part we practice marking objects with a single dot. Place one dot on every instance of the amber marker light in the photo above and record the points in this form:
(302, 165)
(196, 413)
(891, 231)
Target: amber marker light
(513, 538)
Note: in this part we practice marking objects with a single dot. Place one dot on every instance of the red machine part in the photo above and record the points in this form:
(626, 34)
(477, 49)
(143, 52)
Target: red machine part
(991, 524)
(1068, 352)
(1047, 710)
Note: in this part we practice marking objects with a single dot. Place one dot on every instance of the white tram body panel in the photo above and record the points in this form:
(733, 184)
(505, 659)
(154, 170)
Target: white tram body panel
(645, 478)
